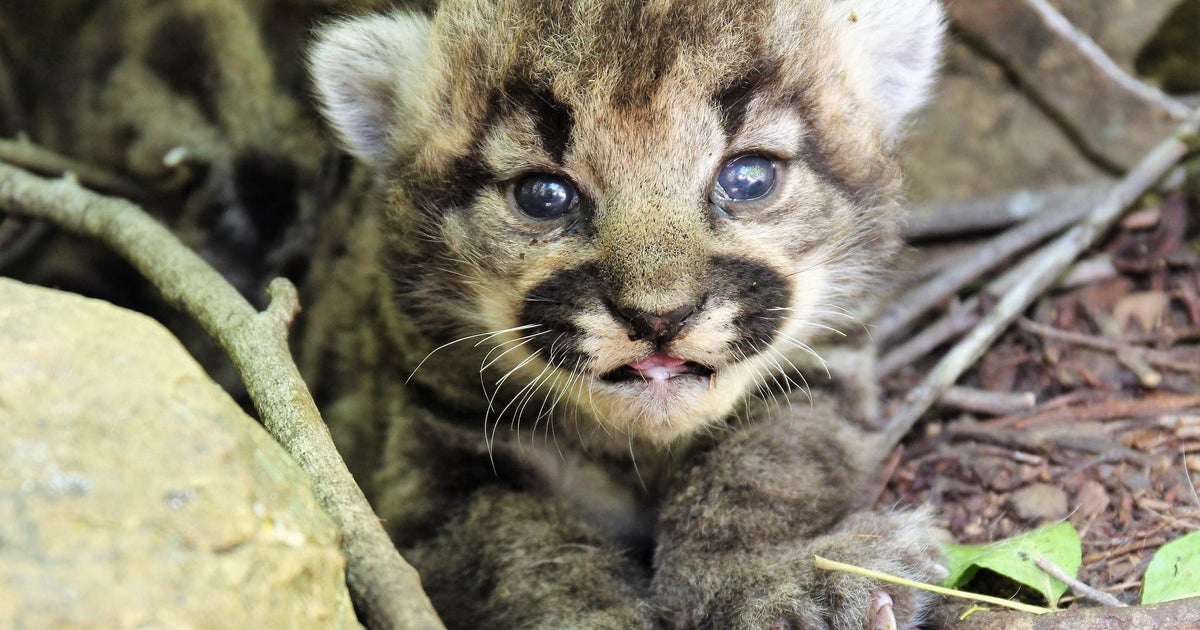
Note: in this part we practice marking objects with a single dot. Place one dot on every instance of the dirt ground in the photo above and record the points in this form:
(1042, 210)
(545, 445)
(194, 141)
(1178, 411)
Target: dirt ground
(1112, 442)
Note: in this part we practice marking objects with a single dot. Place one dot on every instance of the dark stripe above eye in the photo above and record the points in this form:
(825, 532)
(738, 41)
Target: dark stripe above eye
(734, 98)
(554, 121)
(552, 118)
(469, 173)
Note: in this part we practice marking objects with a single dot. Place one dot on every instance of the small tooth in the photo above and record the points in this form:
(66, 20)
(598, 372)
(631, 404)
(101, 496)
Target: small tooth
(657, 373)
(712, 381)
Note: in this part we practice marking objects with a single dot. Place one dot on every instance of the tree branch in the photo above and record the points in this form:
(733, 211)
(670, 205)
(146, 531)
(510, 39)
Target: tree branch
(997, 212)
(1039, 272)
(971, 264)
(385, 588)
(34, 158)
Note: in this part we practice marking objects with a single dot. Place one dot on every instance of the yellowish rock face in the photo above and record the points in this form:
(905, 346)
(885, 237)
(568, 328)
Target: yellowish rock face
(134, 491)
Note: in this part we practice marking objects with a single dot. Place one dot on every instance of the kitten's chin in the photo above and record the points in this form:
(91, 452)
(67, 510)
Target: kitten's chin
(666, 410)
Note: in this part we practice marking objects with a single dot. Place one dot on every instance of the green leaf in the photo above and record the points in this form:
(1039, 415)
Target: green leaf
(1174, 571)
(1014, 559)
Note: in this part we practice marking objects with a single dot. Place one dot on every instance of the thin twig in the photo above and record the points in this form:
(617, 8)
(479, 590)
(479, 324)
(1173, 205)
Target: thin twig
(1106, 409)
(959, 319)
(969, 265)
(32, 157)
(998, 212)
(1160, 358)
(1137, 545)
(832, 565)
(1147, 376)
(12, 117)
(988, 402)
(18, 237)
(1088, 271)
(384, 587)
(1054, 571)
(1039, 273)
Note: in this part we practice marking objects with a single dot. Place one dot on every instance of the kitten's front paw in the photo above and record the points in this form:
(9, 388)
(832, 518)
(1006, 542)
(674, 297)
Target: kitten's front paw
(780, 588)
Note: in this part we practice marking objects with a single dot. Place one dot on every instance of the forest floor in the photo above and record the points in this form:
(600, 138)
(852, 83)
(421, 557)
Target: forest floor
(1112, 439)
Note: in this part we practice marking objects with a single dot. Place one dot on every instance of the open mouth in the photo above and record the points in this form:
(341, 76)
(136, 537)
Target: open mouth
(657, 367)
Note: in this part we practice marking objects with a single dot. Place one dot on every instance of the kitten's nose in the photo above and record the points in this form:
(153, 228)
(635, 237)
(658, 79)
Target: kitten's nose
(659, 328)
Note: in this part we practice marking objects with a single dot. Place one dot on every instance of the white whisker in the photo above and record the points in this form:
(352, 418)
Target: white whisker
(486, 335)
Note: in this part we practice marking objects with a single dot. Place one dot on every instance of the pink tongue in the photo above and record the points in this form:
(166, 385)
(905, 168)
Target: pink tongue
(658, 366)
(657, 360)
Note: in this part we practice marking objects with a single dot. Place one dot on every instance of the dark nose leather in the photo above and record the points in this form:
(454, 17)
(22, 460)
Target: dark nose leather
(659, 328)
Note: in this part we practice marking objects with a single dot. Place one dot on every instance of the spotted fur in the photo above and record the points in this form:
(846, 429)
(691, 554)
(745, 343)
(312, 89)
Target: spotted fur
(522, 323)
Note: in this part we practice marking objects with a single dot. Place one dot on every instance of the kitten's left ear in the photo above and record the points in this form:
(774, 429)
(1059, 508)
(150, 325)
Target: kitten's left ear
(895, 50)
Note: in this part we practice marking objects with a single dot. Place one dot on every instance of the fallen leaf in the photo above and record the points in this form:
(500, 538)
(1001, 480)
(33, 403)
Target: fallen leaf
(1174, 572)
(1014, 559)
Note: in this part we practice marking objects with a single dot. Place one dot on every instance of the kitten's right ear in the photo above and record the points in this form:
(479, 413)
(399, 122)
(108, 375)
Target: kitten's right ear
(368, 74)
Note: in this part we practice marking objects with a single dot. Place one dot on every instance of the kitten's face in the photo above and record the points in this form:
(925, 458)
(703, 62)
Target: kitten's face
(641, 212)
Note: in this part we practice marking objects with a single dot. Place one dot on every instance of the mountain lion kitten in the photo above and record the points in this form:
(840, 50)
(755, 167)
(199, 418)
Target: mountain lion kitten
(621, 235)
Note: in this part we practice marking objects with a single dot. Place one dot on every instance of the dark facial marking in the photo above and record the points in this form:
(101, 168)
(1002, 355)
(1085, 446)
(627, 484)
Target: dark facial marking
(552, 117)
(820, 153)
(733, 99)
(756, 289)
(553, 304)
(469, 174)
(267, 186)
(554, 121)
(457, 186)
(812, 151)
(177, 54)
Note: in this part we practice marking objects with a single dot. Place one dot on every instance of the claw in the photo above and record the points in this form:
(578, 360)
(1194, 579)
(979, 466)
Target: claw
(882, 616)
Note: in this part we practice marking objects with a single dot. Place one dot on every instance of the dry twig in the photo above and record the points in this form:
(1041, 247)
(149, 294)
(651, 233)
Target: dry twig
(1160, 358)
(998, 212)
(32, 157)
(1039, 273)
(1054, 571)
(1159, 403)
(385, 588)
(987, 401)
(969, 265)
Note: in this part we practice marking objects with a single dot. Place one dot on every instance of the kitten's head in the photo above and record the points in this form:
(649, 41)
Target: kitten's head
(658, 202)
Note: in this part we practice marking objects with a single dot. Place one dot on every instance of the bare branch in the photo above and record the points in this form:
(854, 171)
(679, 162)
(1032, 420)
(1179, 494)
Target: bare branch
(988, 402)
(971, 264)
(998, 211)
(34, 158)
(1152, 356)
(1040, 272)
(1056, 572)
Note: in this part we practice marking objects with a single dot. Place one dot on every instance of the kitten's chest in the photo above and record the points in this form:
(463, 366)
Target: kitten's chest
(619, 496)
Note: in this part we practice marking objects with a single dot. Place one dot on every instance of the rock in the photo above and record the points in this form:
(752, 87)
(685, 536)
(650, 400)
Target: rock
(1039, 502)
(134, 492)
(983, 136)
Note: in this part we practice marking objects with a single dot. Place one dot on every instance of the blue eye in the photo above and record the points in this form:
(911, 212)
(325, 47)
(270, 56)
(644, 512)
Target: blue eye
(544, 196)
(746, 178)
